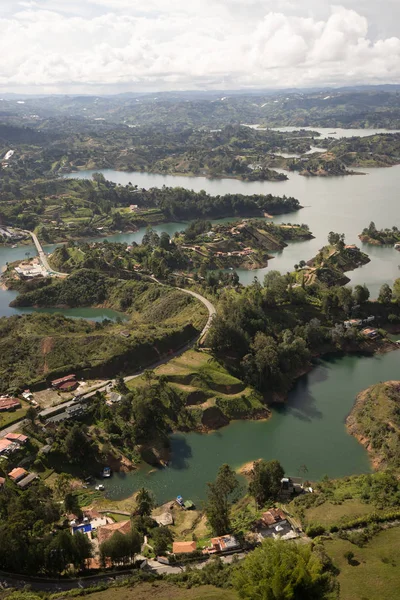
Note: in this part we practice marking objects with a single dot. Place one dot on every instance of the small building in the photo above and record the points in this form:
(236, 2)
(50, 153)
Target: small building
(9, 404)
(370, 333)
(17, 437)
(5, 446)
(59, 382)
(125, 333)
(26, 481)
(107, 531)
(184, 547)
(291, 485)
(352, 323)
(224, 543)
(134, 208)
(17, 474)
(273, 516)
(351, 247)
(68, 386)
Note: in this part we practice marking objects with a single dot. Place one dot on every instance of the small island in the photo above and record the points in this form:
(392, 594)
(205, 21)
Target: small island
(380, 237)
(375, 422)
(331, 263)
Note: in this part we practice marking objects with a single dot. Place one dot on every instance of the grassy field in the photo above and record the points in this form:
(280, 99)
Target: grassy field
(331, 514)
(160, 590)
(374, 573)
(8, 418)
(204, 383)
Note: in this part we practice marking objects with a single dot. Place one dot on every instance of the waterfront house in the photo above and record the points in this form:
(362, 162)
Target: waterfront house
(273, 516)
(17, 474)
(184, 547)
(370, 333)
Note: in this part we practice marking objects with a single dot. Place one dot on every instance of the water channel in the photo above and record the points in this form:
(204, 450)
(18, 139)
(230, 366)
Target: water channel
(310, 429)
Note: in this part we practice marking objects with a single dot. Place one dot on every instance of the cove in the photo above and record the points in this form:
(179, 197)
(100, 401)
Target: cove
(344, 204)
(309, 430)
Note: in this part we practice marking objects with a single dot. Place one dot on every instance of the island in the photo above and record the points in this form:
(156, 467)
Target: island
(331, 262)
(380, 237)
(375, 422)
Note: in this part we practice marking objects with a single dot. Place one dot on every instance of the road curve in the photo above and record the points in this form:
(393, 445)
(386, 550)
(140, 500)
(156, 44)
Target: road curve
(210, 307)
(43, 256)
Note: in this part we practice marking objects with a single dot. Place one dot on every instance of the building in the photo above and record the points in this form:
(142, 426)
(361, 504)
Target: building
(17, 437)
(6, 446)
(114, 397)
(68, 386)
(224, 543)
(107, 531)
(17, 474)
(9, 404)
(184, 547)
(57, 383)
(352, 323)
(370, 333)
(26, 481)
(291, 485)
(124, 332)
(273, 516)
(134, 208)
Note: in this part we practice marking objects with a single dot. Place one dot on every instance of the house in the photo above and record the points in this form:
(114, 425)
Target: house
(23, 483)
(134, 208)
(224, 543)
(273, 516)
(370, 333)
(9, 404)
(107, 531)
(5, 446)
(17, 437)
(125, 333)
(291, 485)
(351, 247)
(57, 383)
(184, 547)
(17, 474)
(352, 323)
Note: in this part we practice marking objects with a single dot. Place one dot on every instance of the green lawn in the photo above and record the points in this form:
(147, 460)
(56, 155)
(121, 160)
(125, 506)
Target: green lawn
(8, 418)
(331, 514)
(375, 572)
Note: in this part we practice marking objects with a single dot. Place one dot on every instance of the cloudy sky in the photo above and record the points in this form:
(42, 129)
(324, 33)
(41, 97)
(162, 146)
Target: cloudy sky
(142, 45)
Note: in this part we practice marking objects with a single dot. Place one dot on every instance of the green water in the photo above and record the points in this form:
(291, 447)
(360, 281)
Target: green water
(308, 431)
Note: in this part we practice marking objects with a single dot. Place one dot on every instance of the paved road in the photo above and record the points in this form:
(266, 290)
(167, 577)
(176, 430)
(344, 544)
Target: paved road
(211, 312)
(43, 256)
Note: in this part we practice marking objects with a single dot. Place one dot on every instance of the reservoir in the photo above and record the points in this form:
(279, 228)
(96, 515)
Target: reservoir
(307, 432)
(342, 204)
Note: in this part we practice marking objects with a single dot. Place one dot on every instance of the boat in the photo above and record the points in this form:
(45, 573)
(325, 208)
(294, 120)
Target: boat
(100, 488)
(179, 501)
(14, 246)
(107, 472)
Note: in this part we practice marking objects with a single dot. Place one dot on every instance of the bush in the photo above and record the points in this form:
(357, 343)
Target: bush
(315, 530)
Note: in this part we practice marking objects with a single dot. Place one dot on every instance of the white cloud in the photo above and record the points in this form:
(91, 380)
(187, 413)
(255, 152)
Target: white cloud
(60, 45)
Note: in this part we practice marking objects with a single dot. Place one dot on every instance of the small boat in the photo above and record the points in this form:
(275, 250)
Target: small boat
(100, 488)
(14, 246)
(107, 472)
(179, 501)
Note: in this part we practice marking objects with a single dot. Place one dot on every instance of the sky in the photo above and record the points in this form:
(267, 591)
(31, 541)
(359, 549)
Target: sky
(95, 46)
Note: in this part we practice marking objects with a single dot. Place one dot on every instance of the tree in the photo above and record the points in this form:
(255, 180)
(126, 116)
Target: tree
(162, 538)
(31, 414)
(76, 444)
(62, 484)
(282, 571)
(385, 294)
(360, 294)
(219, 496)
(265, 481)
(145, 502)
(396, 290)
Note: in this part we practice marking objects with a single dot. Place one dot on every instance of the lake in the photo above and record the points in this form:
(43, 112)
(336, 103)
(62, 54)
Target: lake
(309, 430)
(344, 204)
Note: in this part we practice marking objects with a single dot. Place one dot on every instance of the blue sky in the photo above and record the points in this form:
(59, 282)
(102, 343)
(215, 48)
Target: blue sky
(120, 45)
